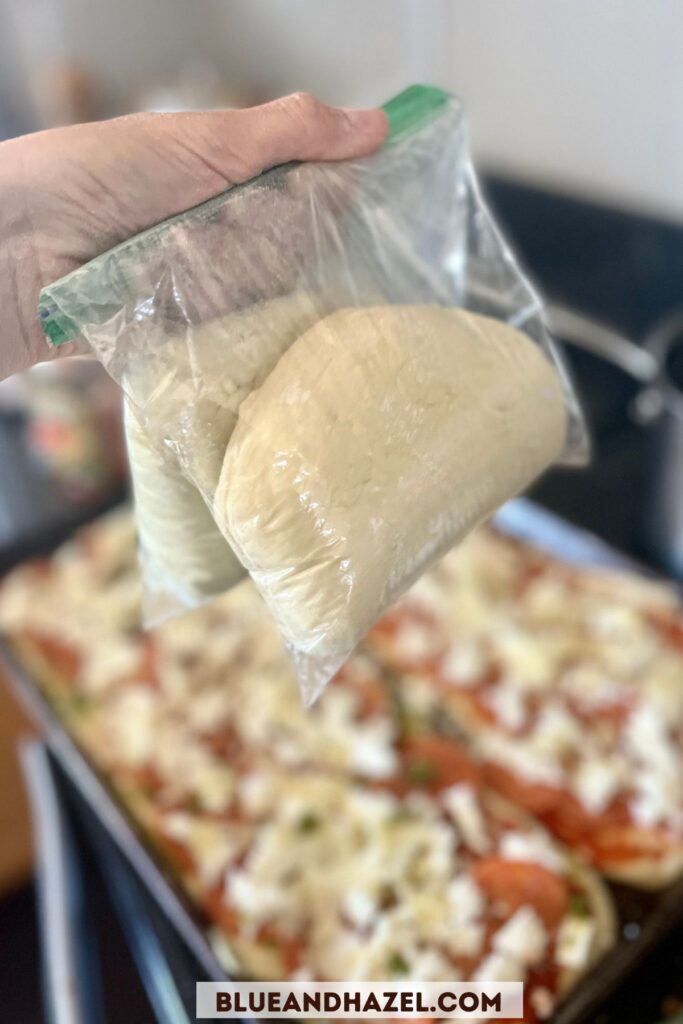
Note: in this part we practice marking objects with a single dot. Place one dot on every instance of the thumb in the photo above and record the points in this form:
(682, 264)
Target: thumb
(300, 127)
(174, 161)
(237, 144)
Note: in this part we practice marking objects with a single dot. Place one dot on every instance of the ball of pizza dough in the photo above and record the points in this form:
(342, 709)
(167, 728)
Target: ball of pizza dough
(378, 440)
(184, 556)
(188, 387)
(191, 388)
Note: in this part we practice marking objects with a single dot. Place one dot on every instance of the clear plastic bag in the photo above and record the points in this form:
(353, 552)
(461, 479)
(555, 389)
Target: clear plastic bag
(345, 361)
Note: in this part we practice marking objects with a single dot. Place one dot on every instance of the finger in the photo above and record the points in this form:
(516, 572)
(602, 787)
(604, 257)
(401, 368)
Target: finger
(300, 127)
(241, 143)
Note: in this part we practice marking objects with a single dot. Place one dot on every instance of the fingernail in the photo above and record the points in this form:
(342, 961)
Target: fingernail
(374, 121)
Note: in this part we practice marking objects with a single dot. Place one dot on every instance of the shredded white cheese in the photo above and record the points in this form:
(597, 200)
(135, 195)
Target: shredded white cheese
(574, 942)
(597, 780)
(532, 848)
(523, 937)
(464, 808)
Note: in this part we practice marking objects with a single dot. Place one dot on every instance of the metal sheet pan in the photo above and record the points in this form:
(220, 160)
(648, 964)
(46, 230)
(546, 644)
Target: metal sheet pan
(644, 918)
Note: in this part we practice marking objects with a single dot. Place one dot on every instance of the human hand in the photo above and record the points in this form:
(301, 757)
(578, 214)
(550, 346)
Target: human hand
(68, 194)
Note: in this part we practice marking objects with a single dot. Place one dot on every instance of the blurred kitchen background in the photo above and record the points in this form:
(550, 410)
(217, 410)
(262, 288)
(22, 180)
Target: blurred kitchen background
(576, 115)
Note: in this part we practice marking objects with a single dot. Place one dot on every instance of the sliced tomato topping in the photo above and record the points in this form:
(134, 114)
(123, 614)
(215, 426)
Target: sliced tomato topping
(532, 796)
(145, 777)
(147, 670)
(290, 948)
(62, 657)
(477, 699)
(606, 838)
(373, 698)
(616, 712)
(571, 818)
(384, 636)
(223, 742)
(219, 911)
(400, 615)
(434, 762)
(177, 853)
(372, 694)
(671, 626)
(618, 845)
(514, 884)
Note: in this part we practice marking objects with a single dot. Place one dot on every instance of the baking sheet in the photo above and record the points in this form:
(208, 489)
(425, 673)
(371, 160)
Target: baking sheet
(644, 918)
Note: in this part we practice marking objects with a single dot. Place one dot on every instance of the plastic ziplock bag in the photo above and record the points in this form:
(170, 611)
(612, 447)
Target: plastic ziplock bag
(332, 372)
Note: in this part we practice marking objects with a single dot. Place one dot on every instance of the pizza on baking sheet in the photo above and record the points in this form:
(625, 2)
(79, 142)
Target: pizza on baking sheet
(568, 683)
(320, 877)
(349, 840)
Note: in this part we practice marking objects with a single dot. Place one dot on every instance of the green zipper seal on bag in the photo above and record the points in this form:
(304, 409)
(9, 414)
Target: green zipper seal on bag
(58, 327)
(408, 112)
(413, 109)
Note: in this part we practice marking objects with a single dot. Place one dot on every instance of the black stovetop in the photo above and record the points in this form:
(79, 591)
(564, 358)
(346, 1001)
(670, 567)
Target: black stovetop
(624, 270)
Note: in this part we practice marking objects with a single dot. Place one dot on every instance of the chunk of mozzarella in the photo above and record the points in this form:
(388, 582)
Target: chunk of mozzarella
(532, 848)
(574, 942)
(462, 804)
(523, 937)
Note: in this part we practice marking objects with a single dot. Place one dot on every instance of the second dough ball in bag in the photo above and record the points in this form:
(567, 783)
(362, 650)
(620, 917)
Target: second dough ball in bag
(196, 384)
(185, 558)
(227, 359)
(380, 438)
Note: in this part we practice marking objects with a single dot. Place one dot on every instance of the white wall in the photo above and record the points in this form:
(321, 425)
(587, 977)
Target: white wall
(586, 95)
(347, 51)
